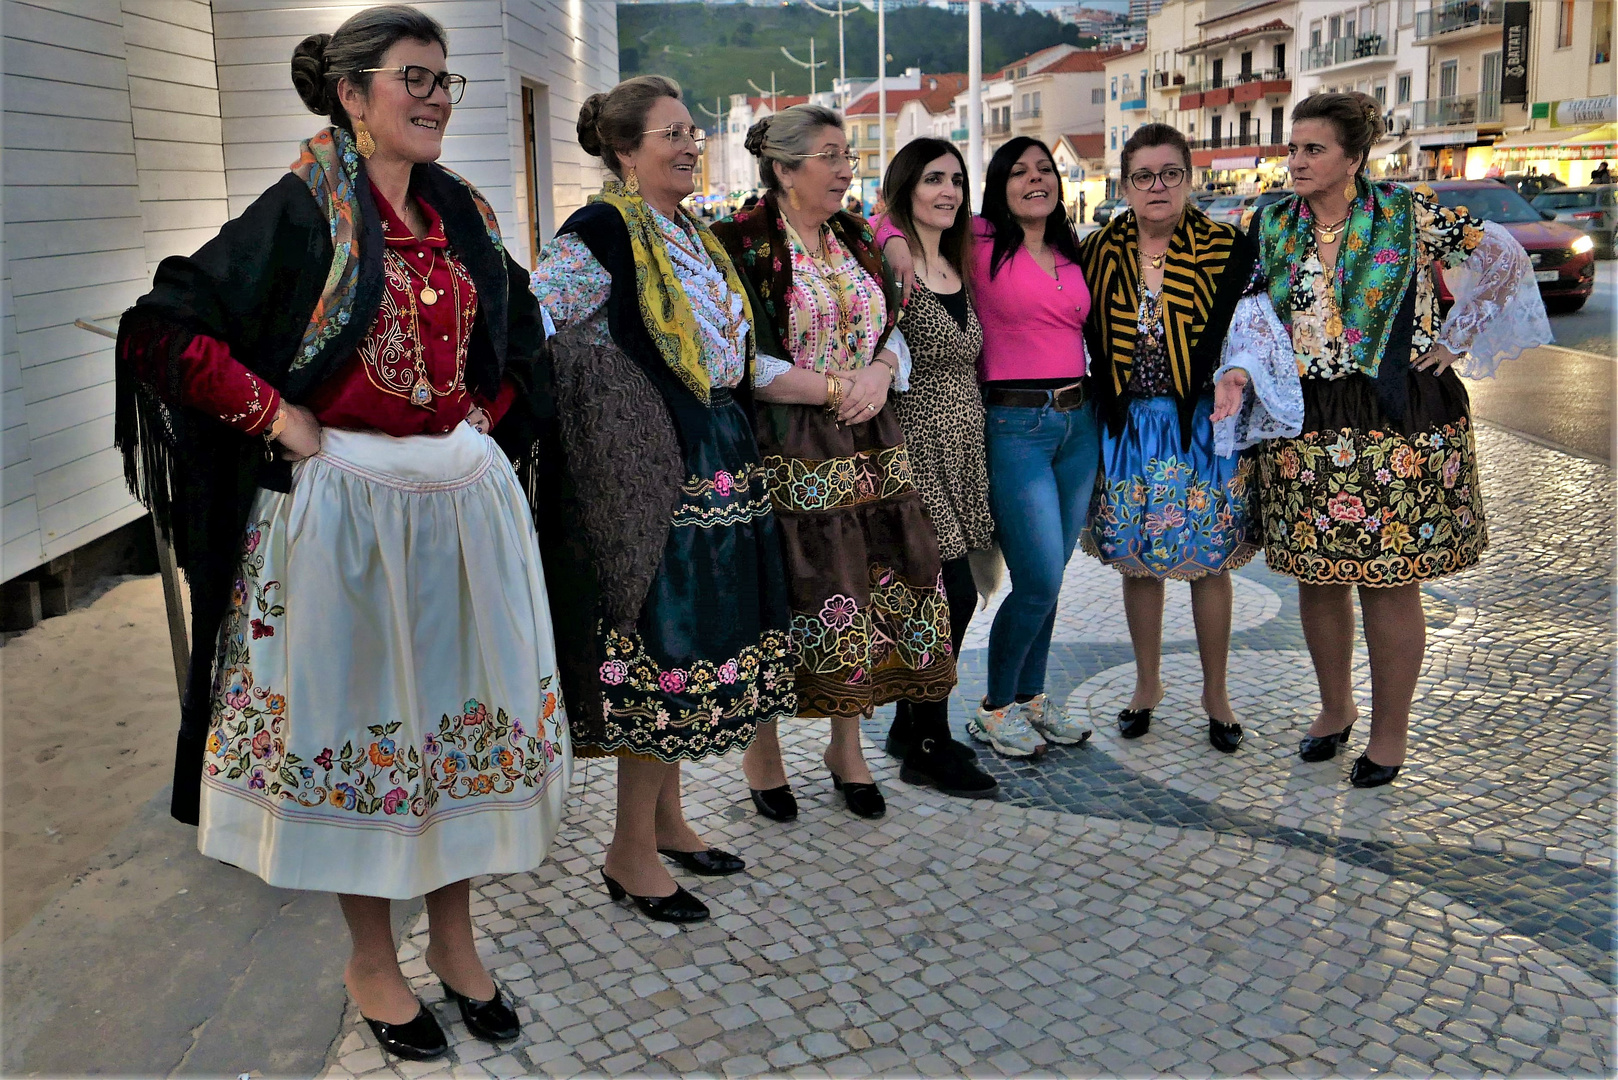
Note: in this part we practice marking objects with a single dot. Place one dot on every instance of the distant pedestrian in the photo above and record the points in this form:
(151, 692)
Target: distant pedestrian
(870, 620)
(1168, 505)
(372, 708)
(1602, 174)
(1380, 490)
(665, 557)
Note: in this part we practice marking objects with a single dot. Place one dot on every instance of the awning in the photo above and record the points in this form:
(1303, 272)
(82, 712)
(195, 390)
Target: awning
(1390, 148)
(1601, 133)
(1557, 137)
(1235, 163)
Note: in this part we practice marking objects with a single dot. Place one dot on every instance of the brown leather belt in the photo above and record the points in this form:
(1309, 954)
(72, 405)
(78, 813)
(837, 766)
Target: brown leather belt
(1064, 400)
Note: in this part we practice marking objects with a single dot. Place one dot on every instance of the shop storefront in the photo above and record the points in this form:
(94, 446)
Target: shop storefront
(1245, 175)
(1579, 135)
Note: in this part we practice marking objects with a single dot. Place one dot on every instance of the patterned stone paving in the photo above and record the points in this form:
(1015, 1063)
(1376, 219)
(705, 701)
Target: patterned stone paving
(1146, 907)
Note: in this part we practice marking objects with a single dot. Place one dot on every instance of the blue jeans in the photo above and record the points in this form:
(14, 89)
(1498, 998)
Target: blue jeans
(1042, 467)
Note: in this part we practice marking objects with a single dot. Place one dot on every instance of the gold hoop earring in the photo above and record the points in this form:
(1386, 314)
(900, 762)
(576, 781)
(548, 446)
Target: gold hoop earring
(632, 184)
(363, 142)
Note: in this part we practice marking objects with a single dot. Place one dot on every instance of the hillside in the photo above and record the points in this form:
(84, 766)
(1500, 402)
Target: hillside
(713, 50)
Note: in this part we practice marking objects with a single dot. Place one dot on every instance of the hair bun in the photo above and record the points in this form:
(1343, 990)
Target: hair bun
(588, 128)
(754, 143)
(310, 74)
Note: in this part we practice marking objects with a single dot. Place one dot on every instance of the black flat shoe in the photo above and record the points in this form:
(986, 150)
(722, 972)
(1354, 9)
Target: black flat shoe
(492, 1021)
(1133, 723)
(1323, 747)
(710, 863)
(949, 767)
(420, 1039)
(678, 907)
(1224, 737)
(1367, 773)
(863, 799)
(776, 803)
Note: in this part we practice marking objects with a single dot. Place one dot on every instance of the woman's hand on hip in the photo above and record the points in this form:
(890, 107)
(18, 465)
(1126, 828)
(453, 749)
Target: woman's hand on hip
(300, 438)
(866, 394)
(479, 420)
(1228, 395)
(1438, 360)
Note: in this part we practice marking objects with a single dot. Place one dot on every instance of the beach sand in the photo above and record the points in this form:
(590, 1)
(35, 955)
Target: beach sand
(88, 713)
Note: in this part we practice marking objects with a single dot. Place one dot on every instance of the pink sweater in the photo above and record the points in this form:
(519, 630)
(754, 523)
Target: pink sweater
(1033, 326)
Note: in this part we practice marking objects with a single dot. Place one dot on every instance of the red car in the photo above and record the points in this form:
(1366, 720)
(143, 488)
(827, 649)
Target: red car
(1563, 258)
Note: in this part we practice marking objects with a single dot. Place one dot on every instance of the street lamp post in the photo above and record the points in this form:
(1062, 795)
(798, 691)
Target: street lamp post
(841, 15)
(811, 65)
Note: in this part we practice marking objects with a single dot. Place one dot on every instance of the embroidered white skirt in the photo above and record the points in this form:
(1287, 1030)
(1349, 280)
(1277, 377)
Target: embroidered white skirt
(387, 718)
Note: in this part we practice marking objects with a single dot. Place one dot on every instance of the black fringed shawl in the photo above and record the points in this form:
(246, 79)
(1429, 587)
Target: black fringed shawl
(254, 287)
(1208, 268)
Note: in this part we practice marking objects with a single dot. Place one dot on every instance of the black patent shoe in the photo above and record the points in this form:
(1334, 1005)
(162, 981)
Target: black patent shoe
(710, 863)
(1323, 747)
(863, 799)
(678, 907)
(949, 767)
(492, 1021)
(1367, 773)
(1133, 723)
(420, 1039)
(1224, 737)
(775, 803)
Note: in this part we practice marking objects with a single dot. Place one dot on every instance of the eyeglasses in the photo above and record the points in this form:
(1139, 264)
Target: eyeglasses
(831, 157)
(419, 81)
(679, 133)
(1172, 177)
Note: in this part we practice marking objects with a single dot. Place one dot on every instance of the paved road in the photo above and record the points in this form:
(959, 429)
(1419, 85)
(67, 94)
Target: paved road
(1593, 327)
(1555, 396)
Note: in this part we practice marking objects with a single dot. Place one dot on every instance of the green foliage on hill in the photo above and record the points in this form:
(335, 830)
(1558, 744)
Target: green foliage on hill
(712, 50)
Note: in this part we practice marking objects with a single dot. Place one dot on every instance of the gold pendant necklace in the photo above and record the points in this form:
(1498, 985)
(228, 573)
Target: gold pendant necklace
(1328, 233)
(1155, 260)
(428, 295)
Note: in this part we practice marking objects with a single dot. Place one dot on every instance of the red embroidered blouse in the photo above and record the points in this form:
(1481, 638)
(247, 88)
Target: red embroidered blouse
(372, 389)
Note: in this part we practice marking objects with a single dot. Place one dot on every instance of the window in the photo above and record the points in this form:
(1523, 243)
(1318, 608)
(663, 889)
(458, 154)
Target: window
(1401, 94)
(1115, 88)
(1564, 24)
(1098, 96)
(1114, 138)
(1380, 92)
(1281, 57)
(1448, 76)
(1124, 133)
(1277, 118)
(1334, 28)
(1407, 12)
(1314, 35)
(1036, 101)
(874, 163)
(1218, 123)
(871, 133)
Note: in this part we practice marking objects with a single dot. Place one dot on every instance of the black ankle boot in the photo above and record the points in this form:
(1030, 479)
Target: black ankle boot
(900, 733)
(949, 767)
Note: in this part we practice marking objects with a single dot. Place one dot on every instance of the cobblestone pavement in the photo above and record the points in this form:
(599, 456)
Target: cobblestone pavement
(1142, 907)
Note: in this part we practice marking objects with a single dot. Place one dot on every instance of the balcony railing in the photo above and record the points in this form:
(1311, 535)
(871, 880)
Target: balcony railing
(1458, 110)
(959, 134)
(1458, 15)
(1234, 139)
(1135, 104)
(1265, 75)
(1168, 80)
(1345, 50)
(1026, 114)
(999, 127)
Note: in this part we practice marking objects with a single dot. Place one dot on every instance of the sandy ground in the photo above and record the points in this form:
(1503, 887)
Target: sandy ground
(88, 713)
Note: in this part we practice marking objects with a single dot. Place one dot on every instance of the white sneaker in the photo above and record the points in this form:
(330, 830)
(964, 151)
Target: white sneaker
(1053, 723)
(1006, 730)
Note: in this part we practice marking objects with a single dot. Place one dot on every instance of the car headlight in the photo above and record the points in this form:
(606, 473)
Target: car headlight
(1582, 244)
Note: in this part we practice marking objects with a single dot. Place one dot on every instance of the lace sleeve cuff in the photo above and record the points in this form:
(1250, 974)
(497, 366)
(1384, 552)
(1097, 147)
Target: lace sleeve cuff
(1498, 312)
(901, 377)
(1272, 401)
(768, 367)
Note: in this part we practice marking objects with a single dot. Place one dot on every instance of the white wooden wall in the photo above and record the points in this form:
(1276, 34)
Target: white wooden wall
(74, 248)
(133, 128)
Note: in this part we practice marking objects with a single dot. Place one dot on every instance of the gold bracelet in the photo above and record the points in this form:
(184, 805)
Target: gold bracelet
(834, 394)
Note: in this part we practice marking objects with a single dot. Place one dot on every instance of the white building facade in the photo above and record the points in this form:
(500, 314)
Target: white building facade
(134, 128)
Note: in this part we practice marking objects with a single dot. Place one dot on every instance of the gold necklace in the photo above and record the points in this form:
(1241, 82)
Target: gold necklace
(1155, 260)
(423, 391)
(428, 294)
(1328, 233)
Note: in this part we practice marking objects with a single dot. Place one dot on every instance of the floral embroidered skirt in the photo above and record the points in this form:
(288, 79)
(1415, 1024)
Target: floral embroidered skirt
(1163, 511)
(1357, 499)
(870, 621)
(710, 657)
(386, 718)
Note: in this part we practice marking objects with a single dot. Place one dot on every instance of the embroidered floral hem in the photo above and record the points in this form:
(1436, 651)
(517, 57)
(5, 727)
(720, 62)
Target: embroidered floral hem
(1362, 504)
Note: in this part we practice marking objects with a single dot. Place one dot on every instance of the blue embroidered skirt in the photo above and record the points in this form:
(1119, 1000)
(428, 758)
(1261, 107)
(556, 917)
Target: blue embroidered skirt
(1163, 512)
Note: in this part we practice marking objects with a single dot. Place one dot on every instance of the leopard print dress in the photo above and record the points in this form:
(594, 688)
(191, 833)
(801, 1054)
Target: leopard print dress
(942, 417)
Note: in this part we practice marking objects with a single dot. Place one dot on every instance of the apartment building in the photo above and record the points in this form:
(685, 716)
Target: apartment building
(1372, 48)
(1238, 91)
(1460, 105)
(924, 110)
(1081, 160)
(731, 171)
(1011, 107)
(134, 128)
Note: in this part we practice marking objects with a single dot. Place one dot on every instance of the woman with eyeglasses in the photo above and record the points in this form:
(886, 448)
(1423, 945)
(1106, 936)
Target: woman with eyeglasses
(1166, 282)
(663, 554)
(870, 623)
(304, 405)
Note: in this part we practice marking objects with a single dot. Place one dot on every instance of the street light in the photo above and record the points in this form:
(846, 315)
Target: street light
(761, 92)
(840, 15)
(811, 65)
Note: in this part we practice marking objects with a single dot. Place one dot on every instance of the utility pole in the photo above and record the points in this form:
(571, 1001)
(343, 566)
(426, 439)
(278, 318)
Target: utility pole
(811, 65)
(974, 96)
(881, 89)
(761, 92)
(841, 14)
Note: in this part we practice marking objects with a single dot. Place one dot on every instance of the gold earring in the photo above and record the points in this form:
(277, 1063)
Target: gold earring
(363, 142)
(632, 185)
(792, 198)
(1352, 190)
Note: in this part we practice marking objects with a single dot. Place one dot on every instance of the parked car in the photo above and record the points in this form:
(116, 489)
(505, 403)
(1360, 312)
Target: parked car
(1228, 208)
(1593, 209)
(1528, 186)
(1103, 212)
(1265, 198)
(1562, 256)
(1202, 199)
